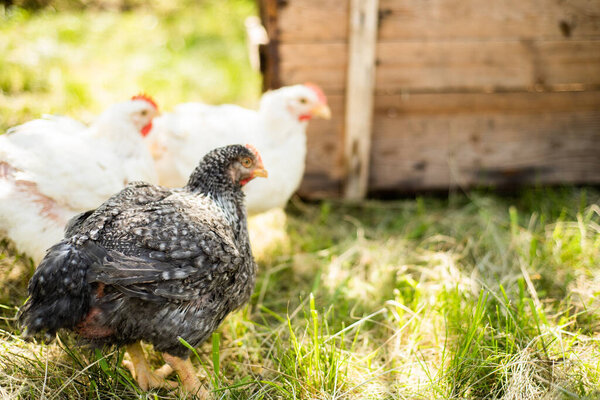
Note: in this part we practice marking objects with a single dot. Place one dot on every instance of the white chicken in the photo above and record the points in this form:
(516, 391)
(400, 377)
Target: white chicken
(278, 130)
(55, 167)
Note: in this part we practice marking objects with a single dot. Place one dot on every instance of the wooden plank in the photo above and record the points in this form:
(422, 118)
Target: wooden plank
(430, 141)
(322, 63)
(451, 66)
(441, 151)
(480, 19)
(304, 21)
(359, 96)
(530, 103)
(324, 172)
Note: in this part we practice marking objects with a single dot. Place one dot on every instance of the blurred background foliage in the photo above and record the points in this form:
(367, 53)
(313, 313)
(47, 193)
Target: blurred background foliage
(77, 57)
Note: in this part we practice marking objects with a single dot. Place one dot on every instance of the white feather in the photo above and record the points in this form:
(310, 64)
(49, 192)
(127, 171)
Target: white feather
(55, 167)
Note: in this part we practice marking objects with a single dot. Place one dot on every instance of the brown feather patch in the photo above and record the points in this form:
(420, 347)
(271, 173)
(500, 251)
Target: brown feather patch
(91, 327)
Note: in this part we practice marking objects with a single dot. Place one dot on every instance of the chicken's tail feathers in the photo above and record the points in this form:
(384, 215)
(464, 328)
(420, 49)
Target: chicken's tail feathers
(59, 294)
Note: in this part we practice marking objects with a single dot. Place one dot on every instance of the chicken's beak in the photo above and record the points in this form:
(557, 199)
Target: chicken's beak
(322, 110)
(260, 171)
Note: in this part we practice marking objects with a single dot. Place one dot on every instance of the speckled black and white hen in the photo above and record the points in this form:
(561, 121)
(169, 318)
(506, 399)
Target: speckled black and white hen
(153, 264)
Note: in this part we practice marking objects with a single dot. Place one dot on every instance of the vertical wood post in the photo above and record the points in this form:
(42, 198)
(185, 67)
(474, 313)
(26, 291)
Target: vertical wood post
(359, 95)
(269, 52)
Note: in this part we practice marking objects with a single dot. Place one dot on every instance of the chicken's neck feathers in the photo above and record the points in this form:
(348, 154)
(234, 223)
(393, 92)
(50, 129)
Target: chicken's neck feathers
(218, 185)
(118, 133)
(279, 124)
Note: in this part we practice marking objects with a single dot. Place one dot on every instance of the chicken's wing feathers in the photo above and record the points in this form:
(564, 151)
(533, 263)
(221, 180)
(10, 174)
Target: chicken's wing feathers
(144, 278)
(134, 194)
(176, 229)
(120, 269)
(66, 124)
(75, 223)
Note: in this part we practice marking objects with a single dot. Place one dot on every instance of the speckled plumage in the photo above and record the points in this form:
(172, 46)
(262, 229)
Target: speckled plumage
(151, 263)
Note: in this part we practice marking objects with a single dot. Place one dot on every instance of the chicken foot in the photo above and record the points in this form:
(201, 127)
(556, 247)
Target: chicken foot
(161, 372)
(143, 374)
(187, 374)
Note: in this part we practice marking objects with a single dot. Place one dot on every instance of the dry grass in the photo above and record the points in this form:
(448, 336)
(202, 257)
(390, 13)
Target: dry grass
(469, 296)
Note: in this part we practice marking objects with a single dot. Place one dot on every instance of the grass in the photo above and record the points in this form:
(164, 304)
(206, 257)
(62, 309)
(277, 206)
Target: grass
(78, 62)
(466, 296)
(473, 296)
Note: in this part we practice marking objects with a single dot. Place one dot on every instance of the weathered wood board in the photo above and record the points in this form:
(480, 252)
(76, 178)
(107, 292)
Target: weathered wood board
(360, 88)
(467, 92)
(308, 21)
(436, 141)
(436, 151)
(452, 66)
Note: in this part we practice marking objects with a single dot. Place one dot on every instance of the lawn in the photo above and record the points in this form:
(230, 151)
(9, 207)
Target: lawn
(463, 295)
(77, 63)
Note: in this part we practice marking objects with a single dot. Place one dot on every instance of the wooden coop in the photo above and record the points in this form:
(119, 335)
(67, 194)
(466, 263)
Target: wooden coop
(433, 94)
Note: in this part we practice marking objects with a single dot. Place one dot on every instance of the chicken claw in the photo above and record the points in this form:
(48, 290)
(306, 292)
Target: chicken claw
(164, 371)
(141, 372)
(161, 372)
(187, 374)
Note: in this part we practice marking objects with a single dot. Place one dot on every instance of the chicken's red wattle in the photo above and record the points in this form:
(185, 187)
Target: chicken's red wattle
(146, 129)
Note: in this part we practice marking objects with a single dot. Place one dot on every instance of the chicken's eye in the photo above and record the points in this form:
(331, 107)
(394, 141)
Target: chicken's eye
(246, 162)
(303, 100)
(144, 113)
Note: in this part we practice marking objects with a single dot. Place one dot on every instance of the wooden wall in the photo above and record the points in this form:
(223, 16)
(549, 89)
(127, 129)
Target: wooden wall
(466, 92)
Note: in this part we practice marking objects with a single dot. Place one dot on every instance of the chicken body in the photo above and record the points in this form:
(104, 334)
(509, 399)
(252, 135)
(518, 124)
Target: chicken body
(152, 263)
(54, 168)
(277, 129)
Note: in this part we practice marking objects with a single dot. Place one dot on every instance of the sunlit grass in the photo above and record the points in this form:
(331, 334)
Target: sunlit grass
(367, 308)
(78, 62)
(464, 296)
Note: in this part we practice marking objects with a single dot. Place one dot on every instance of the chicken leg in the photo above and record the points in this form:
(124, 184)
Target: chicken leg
(143, 374)
(187, 374)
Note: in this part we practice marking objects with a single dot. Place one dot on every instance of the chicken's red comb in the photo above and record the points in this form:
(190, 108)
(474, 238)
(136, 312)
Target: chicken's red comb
(318, 91)
(256, 153)
(145, 97)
